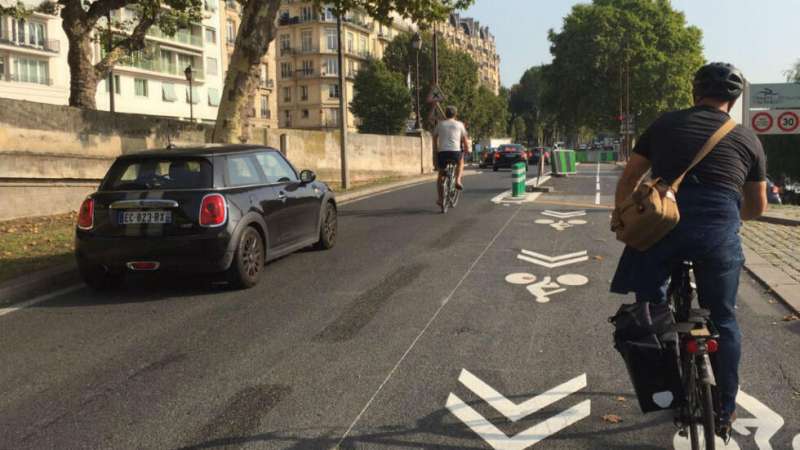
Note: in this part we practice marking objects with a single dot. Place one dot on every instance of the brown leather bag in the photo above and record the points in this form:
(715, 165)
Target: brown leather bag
(651, 211)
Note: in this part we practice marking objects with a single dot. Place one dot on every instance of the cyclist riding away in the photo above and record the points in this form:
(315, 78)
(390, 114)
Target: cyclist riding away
(450, 144)
(726, 187)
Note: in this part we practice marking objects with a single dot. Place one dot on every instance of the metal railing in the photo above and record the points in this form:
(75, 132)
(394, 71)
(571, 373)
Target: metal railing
(266, 84)
(16, 78)
(182, 36)
(48, 45)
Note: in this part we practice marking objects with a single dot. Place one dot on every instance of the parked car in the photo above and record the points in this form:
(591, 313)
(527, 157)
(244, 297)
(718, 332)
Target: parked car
(773, 193)
(487, 158)
(507, 155)
(537, 153)
(225, 208)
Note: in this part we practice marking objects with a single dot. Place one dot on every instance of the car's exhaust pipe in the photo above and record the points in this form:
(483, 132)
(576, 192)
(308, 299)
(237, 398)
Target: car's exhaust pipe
(143, 265)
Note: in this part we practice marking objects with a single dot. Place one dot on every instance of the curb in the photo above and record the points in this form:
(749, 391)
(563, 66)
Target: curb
(779, 220)
(362, 194)
(783, 286)
(38, 283)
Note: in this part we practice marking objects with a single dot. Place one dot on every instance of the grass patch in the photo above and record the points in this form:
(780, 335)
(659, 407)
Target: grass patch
(35, 243)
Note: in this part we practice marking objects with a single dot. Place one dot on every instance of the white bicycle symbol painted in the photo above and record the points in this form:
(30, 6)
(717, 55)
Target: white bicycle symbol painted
(546, 287)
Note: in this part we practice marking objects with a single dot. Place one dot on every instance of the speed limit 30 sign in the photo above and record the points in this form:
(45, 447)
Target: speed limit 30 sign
(776, 121)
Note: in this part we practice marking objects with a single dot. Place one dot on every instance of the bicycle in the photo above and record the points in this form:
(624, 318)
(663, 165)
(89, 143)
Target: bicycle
(697, 339)
(450, 193)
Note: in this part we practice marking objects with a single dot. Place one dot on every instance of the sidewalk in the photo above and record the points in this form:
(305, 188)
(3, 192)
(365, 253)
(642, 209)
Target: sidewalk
(772, 250)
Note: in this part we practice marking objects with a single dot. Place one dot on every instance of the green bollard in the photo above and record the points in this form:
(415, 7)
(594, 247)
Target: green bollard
(518, 176)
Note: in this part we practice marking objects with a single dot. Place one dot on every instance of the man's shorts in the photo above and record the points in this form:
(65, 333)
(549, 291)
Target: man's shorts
(442, 158)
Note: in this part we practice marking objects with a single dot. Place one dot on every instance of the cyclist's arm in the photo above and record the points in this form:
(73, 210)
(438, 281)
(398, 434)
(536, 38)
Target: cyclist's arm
(754, 199)
(637, 166)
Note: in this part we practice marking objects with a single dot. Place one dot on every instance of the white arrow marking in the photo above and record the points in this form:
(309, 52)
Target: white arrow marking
(796, 443)
(766, 421)
(524, 439)
(515, 411)
(552, 262)
(564, 215)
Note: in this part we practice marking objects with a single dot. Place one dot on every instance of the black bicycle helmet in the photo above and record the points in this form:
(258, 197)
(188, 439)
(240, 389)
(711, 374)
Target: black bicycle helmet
(719, 80)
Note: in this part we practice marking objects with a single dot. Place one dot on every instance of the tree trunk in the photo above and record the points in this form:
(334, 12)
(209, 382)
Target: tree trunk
(83, 80)
(255, 34)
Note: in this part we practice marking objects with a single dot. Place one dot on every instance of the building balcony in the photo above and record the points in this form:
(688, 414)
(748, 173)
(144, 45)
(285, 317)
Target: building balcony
(160, 67)
(363, 54)
(291, 51)
(181, 36)
(45, 45)
(266, 84)
(16, 78)
(304, 73)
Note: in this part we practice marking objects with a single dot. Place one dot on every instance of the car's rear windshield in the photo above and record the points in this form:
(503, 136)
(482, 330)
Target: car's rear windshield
(510, 148)
(159, 173)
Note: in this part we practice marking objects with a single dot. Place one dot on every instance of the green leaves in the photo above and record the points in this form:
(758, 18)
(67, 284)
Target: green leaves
(381, 100)
(599, 40)
(420, 11)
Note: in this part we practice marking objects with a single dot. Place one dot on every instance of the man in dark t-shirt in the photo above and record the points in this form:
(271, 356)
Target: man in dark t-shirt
(726, 187)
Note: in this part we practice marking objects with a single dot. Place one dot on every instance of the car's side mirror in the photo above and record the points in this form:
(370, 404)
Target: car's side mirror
(307, 176)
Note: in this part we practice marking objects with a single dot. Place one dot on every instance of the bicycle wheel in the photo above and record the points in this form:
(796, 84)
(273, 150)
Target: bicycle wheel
(445, 195)
(707, 403)
(692, 405)
(455, 194)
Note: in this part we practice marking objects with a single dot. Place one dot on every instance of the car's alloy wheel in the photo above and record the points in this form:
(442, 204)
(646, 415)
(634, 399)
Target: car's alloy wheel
(245, 269)
(329, 229)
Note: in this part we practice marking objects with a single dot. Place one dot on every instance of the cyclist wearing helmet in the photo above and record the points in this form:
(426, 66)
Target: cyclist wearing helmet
(726, 187)
(449, 144)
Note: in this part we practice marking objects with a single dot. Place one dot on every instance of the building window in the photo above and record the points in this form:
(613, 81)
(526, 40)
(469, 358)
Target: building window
(333, 91)
(230, 28)
(308, 67)
(303, 92)
(332, 117)
(193, 95)
(287, 94)
(213, 96)
(140, 87)
(2, 63)
(306, 39)
(264, 71)
(305, 114)
(350, 39)
(211, 66)
(306, 14)
(327, 14)
(264, 106)
(332, 39)
(117, 87)
(286, 70)
(331, 66)
(32, 71)
(168, 92)
(211, 36)
(285, 43)
(362, 45)
(287, 115)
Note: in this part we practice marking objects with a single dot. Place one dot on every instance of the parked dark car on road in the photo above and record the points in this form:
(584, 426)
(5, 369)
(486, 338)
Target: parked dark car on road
(208, 209)
(507, 155)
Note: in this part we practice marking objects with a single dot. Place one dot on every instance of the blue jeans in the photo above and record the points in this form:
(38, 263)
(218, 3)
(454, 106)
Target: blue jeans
(707, 235)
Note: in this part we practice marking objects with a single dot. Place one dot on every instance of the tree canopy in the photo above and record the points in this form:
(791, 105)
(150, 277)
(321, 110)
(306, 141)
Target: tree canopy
(382, 101)
(599, 40)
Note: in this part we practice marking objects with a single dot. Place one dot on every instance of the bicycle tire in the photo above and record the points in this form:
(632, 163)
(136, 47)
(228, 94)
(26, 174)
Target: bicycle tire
(445, 200)
(692, 391)
(456, 195)
(707, 402)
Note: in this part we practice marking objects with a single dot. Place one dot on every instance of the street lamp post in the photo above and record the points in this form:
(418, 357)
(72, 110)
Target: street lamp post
(189, 75)
(416, 44)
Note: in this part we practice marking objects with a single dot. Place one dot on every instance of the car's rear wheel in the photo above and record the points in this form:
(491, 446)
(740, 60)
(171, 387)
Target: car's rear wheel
(98, 277)
(248, 262)
(328, 230)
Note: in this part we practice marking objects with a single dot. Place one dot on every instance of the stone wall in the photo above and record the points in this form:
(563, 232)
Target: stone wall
(52, 156)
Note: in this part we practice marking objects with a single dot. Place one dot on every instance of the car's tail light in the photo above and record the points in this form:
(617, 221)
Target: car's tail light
(497, 156)
(86, 215)
(213, 210)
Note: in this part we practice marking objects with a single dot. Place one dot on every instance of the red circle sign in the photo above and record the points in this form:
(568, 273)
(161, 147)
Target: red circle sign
(762, 122)
(788, 121)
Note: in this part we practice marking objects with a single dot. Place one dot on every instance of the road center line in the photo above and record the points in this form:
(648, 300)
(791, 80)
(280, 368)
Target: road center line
(39, 299)
(427, 325)
(597, 180)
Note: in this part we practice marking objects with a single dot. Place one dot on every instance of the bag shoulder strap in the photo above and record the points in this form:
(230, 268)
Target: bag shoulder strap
(712, 142)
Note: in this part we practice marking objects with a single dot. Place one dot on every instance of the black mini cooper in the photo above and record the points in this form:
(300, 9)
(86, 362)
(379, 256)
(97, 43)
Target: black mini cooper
(215, 208)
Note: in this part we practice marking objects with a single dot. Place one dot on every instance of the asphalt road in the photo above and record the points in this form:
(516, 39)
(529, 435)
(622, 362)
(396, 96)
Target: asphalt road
(394, 339)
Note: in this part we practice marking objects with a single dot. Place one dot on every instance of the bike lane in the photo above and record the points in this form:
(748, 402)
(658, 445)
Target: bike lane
(521, 355)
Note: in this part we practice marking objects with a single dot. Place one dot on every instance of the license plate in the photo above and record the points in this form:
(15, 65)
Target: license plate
(145, 217)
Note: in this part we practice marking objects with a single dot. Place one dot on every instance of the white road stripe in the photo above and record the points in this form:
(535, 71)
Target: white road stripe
(597, 198)
(41, 298)
(597, 180)
(427, 325)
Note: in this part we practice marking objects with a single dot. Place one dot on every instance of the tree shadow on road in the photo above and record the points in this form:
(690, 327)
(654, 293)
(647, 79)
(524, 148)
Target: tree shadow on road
(392, 212)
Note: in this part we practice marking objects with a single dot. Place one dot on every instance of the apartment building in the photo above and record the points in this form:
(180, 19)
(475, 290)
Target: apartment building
(467, 35)
(153, 81)
(33, 59)
(307, 61)
(263, 106)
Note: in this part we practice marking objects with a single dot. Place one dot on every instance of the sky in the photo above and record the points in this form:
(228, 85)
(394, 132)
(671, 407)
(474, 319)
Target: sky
(759, 36)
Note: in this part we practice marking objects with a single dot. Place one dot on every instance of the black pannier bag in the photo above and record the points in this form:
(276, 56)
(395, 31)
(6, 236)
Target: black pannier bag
(645, 336)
